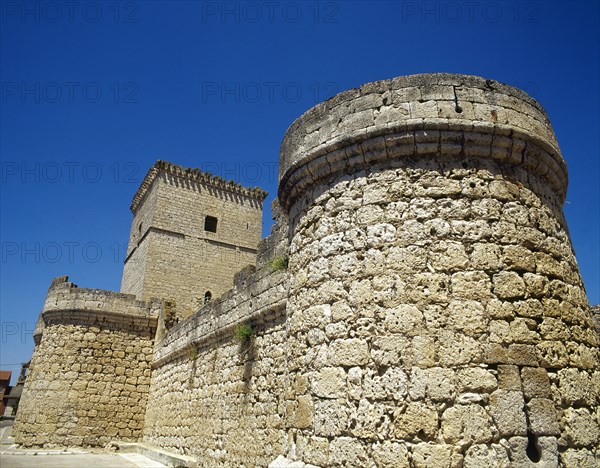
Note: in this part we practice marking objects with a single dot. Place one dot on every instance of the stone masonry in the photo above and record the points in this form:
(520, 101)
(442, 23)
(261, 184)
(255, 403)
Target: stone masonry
(172, 254)
(417, 304)
(90, 372)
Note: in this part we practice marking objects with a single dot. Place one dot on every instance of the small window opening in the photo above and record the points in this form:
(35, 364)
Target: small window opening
(207, 296)
(210, 224)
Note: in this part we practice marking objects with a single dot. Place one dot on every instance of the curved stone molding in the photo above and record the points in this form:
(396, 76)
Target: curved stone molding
(420, 115)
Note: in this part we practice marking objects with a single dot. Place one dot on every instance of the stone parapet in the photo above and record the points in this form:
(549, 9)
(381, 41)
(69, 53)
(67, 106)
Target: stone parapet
(419, 115)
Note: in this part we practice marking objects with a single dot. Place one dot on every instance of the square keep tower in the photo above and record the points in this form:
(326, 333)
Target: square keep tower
(191, 232)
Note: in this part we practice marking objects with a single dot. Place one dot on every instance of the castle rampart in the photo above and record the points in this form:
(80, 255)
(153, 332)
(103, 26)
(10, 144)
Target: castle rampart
(227, 393)
(417, 304)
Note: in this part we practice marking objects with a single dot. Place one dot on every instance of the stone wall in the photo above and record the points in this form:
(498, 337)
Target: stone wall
(432, 313)
(435, 306)
(217, 397)
(90, 371)
(171, 255)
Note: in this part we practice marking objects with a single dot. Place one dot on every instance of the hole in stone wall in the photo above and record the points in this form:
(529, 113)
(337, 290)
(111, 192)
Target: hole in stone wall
(532, 451)
(458, 109)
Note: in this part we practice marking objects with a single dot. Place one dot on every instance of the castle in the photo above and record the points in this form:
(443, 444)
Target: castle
(418, 302)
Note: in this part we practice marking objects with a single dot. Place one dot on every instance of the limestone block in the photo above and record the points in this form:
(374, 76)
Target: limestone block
(391, 350)
(370, 421)
(347, 451)
(508, 285)
(578, 386)
(463, 424)
(390, 455)
(392, 384)
(486, 256)
(438, 384)
(340, 310)
(316, 451)
(507, 410)
(457, 349)
(535, 382)
(542, 416)
(427, 455)
(406, 319)
(350, 352)
(355, 383)
(546, 446)
(579, 458)
(468, 317)
(581, 428)
(329, 382)
(415, 421)
(476, 379)
(471, 285)
(484, 455)
(424, 351)
(331, 417)
(303, 412)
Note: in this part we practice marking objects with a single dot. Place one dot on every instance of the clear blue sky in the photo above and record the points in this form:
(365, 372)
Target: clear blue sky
(93, 94)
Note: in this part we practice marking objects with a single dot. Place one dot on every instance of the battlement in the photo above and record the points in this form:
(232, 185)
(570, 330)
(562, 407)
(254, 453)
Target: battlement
(196, 176)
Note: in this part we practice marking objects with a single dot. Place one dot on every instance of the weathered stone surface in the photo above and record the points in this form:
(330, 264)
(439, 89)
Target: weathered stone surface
(542, 416)
(391, 455)
(330, 382)
(417, 420)
(508, 410)
(464, 424)
(484, 455)
(435, 455)
(347, 451)
(431, 314)
(581, 428)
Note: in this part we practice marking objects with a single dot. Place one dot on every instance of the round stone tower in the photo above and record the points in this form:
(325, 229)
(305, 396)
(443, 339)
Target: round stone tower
(436, 315)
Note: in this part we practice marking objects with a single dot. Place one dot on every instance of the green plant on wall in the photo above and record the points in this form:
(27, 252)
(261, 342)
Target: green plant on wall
(193, 354)
(279, 263)
(244, 333)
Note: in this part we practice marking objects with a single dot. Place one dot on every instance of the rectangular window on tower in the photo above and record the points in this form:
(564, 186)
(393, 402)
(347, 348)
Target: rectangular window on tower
(210, 224)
